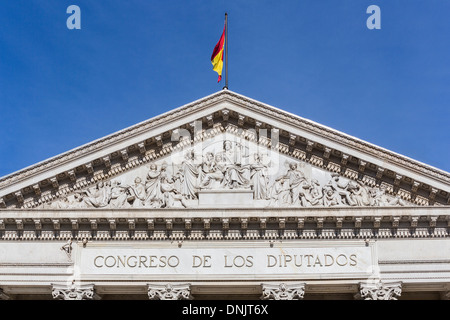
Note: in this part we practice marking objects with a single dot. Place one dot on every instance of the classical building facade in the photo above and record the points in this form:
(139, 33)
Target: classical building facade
(226, 198)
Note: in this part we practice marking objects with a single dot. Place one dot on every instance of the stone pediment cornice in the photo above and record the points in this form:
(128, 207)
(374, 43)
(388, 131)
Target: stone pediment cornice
(301, 138)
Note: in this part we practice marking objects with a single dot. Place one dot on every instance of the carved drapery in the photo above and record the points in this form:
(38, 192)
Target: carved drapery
(283, 291)
(379, 291)
(169, 292)
(74, 292)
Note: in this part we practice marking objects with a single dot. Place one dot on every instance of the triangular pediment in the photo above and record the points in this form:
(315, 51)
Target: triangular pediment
(226, 150)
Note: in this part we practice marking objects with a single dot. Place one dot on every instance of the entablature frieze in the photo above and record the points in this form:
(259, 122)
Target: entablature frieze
(223, 224)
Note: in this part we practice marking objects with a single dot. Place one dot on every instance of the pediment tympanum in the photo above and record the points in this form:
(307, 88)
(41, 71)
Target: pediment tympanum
(226, 150)
(227, 170)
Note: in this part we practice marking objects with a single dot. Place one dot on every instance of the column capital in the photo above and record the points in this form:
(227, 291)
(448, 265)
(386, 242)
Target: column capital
(379, 291)
(74, 292)
(169, 291)
(283, 291)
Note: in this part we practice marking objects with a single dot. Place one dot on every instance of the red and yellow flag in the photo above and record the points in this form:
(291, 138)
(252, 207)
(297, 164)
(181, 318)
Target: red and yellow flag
(217, 55)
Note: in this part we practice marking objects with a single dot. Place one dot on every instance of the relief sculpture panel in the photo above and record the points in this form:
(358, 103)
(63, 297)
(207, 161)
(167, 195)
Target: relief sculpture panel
(227, 163)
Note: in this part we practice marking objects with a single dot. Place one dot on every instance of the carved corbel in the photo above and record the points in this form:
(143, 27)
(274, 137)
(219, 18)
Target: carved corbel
(415, 186)
(107, 161)
(283, 291)
(206, 223)
(124, 154)
(344, 159)
(54, 182)
(433, 220)
(225, 223)
(72, 175)
(225, 115)
(56, 224)
(292, 138)
(188, 223)
(241, 120)
(376, 222)
(19, 196)
(339, 221)
(380, 172)
(131, 224)
(19, 224)
(309, 145)
(433, 193)
(414, 222)
(358, 222)
(362, 165)
(94, 224)
(150, 224)
(319, 222)
(141, 147)
(89, 168)
(244, 223)
(210, 120)
(301, 223)
(37, 189)
(379, 291)
(326, 153)
(74, 223)
(282, 223)
(169, 224)
(397, 179)
(395, 222)
(37, 224)
(74, 292)
(2, 224)
(112, 224)
(169, 291)
(2, 203)
(263, 223)
(158, 140)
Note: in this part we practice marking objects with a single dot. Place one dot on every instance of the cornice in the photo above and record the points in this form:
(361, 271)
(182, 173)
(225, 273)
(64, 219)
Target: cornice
(224, 224)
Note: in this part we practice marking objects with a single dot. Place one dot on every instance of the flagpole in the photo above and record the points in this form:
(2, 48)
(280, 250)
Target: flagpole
(226, 51)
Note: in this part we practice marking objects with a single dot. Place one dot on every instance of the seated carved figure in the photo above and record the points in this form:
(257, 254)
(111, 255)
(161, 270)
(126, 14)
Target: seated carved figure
(212, 171)
(235, 173)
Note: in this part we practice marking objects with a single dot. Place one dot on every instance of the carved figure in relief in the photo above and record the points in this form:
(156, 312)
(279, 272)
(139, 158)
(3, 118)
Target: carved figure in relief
(212, 170)
(279, 193)
(341, 187)
(297, 185)
(380, 198)
(330, 197)
(359, 193)
(137, 193)
(315, 194)
(190, 172)
(153, 188)
(259, 179)
(119, 195)
(235, 173)
(171, 196)
(99, 196)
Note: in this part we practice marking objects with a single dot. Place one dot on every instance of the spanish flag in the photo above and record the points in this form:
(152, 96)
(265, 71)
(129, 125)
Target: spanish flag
(217, 55)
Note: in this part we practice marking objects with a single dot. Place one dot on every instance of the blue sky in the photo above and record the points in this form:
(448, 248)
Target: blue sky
(133, 60)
